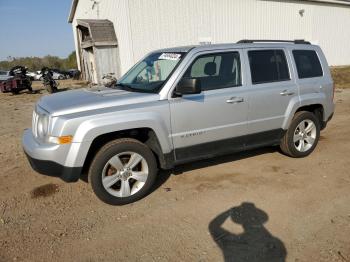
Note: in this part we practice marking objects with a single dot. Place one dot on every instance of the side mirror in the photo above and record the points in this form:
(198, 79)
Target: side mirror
(188, 86)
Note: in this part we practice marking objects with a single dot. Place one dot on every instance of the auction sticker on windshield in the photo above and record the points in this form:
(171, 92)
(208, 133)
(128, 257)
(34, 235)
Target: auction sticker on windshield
(170, 56)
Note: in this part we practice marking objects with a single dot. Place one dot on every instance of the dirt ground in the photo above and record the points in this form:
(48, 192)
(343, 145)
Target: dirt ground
(258, 203)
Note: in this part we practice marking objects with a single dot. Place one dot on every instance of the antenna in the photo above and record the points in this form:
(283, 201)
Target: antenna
(96, 3)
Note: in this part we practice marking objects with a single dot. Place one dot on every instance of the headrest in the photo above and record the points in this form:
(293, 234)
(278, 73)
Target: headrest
(210, 68)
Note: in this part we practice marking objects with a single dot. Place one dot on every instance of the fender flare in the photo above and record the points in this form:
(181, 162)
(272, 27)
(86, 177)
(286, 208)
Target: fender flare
(305, 100)
(91, 129)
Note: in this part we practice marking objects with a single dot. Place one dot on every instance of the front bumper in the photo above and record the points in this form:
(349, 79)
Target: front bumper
(45, 159)
(50, 168)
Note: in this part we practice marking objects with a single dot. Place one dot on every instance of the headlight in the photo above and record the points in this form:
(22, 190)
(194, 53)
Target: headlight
(43, 125)
(40, 129)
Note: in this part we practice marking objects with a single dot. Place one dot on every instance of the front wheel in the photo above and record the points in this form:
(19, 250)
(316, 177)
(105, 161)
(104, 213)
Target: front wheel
(302, 136)
(123, 171)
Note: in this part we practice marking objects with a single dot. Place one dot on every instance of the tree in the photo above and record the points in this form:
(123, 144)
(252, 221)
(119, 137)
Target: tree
(36, 63)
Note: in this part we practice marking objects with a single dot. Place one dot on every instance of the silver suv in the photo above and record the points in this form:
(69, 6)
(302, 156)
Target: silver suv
(179, 105)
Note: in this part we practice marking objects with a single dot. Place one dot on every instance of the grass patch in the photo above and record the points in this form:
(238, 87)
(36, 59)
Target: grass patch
(341, 76)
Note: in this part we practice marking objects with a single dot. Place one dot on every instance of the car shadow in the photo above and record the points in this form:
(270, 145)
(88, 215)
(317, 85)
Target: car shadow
(164, 175)
(255, 243)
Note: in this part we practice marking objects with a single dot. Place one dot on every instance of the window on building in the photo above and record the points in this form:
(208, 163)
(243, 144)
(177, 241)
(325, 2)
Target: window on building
(308, 63)
(268, 66)
(215, 71)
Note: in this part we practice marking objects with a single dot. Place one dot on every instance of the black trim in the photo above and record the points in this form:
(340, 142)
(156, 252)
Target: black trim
(231, 145)
(296, 41)
(324, 123)
(50, 168)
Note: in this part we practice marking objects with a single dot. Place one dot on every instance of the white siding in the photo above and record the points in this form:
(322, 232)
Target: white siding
(145, 25)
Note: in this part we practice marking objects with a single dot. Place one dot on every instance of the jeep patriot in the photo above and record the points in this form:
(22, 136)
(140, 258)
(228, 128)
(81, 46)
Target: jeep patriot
(179, 105)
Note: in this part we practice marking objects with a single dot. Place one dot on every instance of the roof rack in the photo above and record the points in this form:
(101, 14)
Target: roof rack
(297, 41)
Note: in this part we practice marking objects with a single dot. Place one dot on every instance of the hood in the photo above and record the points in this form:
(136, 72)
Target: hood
(86, 99)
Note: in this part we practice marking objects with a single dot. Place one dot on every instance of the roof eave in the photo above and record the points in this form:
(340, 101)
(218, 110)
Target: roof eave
(335, 2)
(73, 8)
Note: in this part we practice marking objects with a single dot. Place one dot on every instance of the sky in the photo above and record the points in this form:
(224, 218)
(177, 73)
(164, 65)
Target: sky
(35, 28)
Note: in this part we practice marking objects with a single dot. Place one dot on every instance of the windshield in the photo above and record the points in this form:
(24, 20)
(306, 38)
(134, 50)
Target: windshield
(150, 74)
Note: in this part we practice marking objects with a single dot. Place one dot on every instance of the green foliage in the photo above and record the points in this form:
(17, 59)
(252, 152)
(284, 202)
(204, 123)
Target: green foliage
(36, 63)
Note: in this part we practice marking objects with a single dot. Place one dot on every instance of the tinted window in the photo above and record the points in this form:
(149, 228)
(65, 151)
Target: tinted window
(268, 66)
(308, 64)
(216, 71)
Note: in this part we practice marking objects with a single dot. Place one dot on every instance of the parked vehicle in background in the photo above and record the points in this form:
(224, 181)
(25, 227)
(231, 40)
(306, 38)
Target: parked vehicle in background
(4, 75)
(179, 105)
(17, 81)
(31, 75)
(74, 73)
(57, 75)
(38, 75)
(48, 81)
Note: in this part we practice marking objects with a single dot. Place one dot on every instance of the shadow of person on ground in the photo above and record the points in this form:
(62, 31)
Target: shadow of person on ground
(255, 244)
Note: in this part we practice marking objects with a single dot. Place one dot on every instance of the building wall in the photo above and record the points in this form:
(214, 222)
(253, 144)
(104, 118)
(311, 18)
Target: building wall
(144, 25)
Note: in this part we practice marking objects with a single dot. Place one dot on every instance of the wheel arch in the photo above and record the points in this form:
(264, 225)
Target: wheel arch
(145, 135)
(316, 107)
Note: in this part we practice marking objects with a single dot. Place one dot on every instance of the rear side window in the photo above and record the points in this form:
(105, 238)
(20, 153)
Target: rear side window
(268, 66)
(308, 64)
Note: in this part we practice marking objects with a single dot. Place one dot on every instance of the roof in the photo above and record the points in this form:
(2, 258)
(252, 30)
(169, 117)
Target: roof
(101, 32)
(198, 48)
(337, 2)
(72, 11)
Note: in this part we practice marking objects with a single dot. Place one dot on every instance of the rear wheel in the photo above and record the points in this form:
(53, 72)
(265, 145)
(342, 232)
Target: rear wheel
(123, 171)
(302, 136)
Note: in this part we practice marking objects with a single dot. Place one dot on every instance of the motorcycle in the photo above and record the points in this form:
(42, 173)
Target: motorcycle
(17, 81)
(49, 83)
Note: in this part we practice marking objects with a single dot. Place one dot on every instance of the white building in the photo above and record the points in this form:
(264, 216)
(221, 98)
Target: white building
(141, 26)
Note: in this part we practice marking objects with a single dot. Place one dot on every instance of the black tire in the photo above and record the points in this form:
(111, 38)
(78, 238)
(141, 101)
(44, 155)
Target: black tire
(105, 154)
(288, 146)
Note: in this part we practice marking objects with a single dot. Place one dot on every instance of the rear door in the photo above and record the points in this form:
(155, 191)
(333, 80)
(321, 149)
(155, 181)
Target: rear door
(271, 88)
(210, 123)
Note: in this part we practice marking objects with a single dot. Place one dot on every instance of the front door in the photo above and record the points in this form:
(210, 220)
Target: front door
(212, 122)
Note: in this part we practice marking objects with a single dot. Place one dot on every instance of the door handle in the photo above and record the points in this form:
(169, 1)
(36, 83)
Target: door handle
(286, 93)
(235, 100)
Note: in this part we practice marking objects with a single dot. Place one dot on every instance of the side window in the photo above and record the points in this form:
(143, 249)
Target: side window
(308, 63)
(215, 71)
(268, 66)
